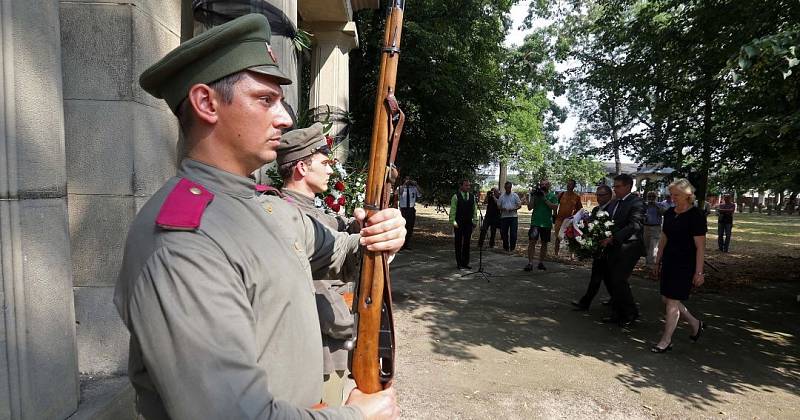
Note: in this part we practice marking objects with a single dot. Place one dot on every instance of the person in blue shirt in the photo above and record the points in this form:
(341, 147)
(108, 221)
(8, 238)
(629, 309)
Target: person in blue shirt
(653, 216)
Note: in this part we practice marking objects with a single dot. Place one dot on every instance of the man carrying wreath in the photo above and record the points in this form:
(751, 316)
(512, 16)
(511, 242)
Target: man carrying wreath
(599, 271)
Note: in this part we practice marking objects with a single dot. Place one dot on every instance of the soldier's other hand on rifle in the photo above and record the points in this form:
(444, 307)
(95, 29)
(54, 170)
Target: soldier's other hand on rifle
(378, 406)
(385, 231)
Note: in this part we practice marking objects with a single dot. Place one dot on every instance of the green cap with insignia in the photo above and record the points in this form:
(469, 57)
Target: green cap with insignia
(241, 44)
(301, 143)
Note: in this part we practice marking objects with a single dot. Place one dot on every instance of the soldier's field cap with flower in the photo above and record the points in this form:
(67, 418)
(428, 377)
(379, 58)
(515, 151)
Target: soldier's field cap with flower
(241, 44)
(301, 143)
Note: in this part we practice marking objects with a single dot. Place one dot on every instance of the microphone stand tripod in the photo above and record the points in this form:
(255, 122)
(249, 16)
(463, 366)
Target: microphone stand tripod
(483, 274)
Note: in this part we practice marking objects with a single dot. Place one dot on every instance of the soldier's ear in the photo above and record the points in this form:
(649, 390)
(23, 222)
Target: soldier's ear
(301, 168)
(204, 103)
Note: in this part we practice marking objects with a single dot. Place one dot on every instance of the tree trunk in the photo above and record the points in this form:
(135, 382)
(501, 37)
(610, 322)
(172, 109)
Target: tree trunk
(503, 175)
(740, 201)
(791, 203)
(705, 153)
(615, 146)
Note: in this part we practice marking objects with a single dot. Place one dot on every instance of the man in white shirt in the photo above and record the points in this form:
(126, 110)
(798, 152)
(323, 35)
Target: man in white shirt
(407, 194)
(509, 203)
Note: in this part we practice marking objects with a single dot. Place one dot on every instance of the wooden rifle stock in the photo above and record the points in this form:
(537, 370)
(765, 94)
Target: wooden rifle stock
(372, 360)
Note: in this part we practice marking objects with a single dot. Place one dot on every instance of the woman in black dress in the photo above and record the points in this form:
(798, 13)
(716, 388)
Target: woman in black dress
(679, 262)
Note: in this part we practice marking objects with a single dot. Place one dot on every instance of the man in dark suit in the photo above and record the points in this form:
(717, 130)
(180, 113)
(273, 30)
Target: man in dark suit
(623, 249)
(599, 266)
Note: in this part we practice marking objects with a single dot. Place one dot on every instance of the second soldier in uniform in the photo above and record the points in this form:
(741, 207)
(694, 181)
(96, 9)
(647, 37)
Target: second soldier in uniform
(305, 167)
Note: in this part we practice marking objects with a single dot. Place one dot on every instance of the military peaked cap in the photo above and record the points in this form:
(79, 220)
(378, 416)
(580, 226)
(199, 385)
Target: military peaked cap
(241, 44)
(301, 143)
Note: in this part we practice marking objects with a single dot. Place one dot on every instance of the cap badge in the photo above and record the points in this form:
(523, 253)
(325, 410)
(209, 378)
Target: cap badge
(271, 54)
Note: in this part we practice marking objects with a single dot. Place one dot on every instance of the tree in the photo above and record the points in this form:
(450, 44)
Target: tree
(468, 100)
(671, 59)
(765, 151)
(449, 84)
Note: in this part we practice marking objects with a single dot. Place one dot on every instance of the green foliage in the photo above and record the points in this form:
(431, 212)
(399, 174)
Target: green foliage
(785, 46)
(654, 81)
(302, 40)
(524, 144)
(585, 170)
(450, 84)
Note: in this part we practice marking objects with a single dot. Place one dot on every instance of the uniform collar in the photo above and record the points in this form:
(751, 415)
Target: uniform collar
(217, 180)
(299, 197)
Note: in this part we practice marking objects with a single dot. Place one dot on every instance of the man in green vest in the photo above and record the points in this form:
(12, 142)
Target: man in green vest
(464, 218)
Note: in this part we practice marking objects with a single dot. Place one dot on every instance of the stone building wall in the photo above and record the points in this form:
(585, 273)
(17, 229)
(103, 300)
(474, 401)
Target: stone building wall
(38, 363)
(120, 148)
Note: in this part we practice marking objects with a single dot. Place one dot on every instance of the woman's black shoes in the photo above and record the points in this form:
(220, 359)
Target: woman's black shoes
(694, 338)
(700, 329)
(656, 349)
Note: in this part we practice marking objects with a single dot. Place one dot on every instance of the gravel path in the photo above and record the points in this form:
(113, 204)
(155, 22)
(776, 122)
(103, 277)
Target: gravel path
(512, 347)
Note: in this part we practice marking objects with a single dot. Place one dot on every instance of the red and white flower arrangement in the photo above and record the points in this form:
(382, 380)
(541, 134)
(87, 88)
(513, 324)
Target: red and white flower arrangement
(584, 233)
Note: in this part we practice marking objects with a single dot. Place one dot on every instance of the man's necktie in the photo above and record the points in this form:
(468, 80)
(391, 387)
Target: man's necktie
(616, 206)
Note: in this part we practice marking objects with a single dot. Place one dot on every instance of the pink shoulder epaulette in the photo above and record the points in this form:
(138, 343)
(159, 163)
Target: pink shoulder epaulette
(267, 189)
(184, 206)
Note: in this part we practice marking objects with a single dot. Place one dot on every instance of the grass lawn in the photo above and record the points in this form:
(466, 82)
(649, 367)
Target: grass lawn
(763, 248)
(761, 234)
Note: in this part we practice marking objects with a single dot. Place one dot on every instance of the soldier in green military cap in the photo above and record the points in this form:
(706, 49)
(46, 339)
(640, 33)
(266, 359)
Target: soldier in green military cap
(305, 167)
(216, 282)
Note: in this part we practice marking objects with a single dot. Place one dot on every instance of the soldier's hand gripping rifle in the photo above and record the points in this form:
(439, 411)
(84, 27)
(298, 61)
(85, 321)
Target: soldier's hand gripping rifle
(372, 358)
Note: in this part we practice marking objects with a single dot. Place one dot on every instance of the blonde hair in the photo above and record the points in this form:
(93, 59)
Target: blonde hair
(683, 185)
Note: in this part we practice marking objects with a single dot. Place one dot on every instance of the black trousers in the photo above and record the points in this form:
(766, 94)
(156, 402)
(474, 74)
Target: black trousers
(410, 214)
(724, 235)
(599, 275)
(508, 231)
(463, 233)
(621, 262)
(486, 226)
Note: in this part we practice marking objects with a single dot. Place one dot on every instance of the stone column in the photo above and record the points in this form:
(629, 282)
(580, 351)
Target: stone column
(120, 147)
(38, 360)
(285, 52)
(329, 96)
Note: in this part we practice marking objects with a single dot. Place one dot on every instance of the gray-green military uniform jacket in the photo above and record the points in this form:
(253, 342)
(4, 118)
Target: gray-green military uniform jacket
(335, 318)
(223, 318)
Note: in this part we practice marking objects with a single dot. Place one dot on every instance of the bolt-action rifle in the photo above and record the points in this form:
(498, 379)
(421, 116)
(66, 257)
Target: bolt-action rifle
(372, 358)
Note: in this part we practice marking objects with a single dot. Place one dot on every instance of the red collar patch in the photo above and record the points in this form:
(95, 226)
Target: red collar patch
(183, 209)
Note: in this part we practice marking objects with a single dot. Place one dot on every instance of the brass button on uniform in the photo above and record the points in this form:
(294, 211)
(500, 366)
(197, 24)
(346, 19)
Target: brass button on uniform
(269, 208)
(195, 191)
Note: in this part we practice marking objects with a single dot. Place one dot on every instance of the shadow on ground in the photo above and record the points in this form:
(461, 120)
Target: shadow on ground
(751, 343)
